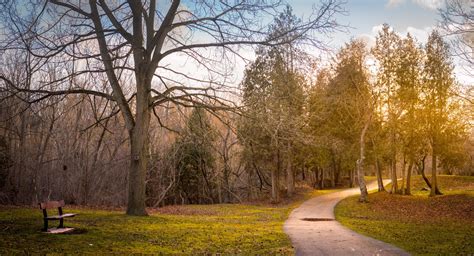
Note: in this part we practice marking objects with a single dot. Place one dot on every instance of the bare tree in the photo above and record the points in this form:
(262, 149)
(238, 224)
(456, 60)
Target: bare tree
(457, 19)
(132, 44)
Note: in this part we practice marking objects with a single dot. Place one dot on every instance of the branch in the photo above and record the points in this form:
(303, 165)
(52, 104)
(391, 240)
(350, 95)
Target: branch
(71, 7)
(55, 93)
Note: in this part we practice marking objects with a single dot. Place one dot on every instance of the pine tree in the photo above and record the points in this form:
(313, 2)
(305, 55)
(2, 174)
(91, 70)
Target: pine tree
(385, 52)
(438, 80)
(408, 79)
(194, 151)
(273, 97)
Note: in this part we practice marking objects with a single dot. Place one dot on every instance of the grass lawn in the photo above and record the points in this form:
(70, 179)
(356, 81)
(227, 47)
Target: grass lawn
(192, 229)
(419, 224)
(182, 230)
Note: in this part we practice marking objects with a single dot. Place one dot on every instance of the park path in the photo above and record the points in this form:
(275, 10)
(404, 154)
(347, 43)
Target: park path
(327, 236)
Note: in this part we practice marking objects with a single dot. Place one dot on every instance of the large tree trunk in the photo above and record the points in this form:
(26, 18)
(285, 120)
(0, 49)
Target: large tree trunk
(139, 140)
(137, 175)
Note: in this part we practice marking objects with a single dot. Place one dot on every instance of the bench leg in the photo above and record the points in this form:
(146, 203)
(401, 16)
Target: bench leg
(61, 223)
(45, 229)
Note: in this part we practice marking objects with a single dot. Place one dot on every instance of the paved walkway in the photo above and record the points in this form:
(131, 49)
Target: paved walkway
(327, 236)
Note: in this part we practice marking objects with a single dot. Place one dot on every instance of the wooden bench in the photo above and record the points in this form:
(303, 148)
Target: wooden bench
(55, 204)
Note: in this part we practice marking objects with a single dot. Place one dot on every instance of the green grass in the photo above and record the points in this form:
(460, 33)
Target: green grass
(255, 228)
(420, 224)
(205, 229)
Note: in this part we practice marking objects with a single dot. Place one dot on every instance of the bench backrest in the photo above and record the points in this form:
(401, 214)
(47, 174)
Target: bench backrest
(51, 204)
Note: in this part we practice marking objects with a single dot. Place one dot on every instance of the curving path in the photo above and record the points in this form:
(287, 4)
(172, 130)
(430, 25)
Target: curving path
(327, 236)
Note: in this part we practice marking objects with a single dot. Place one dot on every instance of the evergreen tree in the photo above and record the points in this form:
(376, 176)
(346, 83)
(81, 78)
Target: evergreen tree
(438, 80)
(408, 79)
(341, 115)
(385, 52)
(273, 97)
(194, 151)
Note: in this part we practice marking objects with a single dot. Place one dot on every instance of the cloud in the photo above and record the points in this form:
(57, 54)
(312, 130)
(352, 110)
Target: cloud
(429, 4)
(462, 71)
(421, 34)
(395, 3)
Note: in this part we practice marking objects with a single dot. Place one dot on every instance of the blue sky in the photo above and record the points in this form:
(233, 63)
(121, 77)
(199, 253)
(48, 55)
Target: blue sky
(364, 16)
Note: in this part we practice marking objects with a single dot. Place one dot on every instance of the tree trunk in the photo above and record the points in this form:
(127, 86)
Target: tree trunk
(360, 177)
(275, 197)
(290, 179)
(351, 178)
(333, 174)
(402, 186)
(378, 172)
(316, 177)
(360, 166)
(421, 168)
(434, 181)
(321, 186)
(275, 173)
(139, 141)
(250, 184)
(137, 176)
(408, 188)
(393, 170)
(226, 184)
(303, 173)
(337, 176)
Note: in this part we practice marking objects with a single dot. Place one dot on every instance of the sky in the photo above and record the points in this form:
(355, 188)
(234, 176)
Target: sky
(365, 18)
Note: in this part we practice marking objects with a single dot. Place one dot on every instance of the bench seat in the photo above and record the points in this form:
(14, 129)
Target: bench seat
(58, 217)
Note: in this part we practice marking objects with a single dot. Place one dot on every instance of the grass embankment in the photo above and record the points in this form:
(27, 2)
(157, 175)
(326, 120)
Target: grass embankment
(419, 224)
(253, 228)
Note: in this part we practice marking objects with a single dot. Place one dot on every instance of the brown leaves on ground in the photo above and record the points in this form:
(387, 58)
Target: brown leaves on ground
(416, 208)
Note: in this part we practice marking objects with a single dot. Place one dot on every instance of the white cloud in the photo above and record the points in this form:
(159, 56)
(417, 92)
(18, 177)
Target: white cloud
(462, 72)
(421, 34)
(429, 4)
(394, 3)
